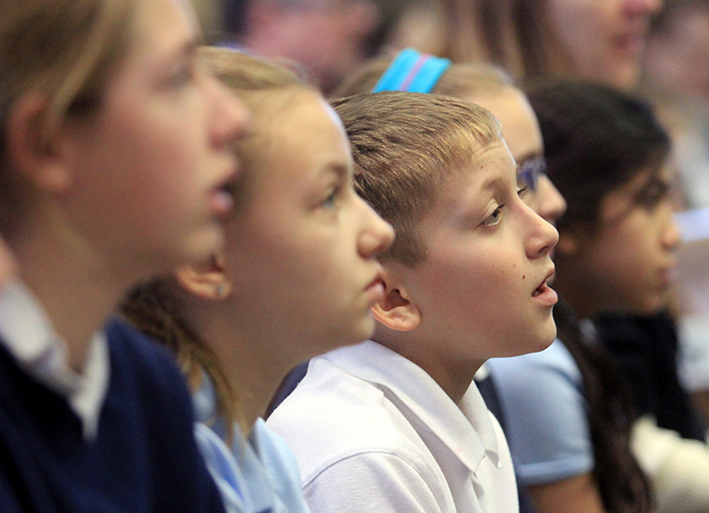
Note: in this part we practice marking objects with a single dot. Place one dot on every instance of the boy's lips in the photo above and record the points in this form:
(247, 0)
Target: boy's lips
(544, 293)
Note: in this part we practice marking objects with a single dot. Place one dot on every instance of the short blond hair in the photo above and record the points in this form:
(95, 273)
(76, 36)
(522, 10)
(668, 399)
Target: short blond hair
(405, 146)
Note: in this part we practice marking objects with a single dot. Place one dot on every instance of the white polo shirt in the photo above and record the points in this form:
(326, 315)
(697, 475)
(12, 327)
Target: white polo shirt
(372, 431)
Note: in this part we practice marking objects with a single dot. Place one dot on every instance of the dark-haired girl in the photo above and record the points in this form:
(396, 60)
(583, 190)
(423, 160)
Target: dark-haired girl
(607, 156)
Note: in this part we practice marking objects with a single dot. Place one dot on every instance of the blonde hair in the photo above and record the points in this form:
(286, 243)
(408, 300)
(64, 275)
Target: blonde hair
(159, 307)
(63, 50)
(405, 146)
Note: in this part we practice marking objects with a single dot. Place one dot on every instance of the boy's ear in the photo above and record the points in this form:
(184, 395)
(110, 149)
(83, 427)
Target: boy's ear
(33, 150)
(396, 311)
(207, 281)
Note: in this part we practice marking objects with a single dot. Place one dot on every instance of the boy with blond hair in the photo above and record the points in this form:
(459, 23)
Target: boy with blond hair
(396, 423)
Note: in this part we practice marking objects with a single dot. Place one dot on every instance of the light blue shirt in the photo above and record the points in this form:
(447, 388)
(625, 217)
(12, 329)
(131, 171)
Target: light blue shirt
(256, 475)
(545, 411)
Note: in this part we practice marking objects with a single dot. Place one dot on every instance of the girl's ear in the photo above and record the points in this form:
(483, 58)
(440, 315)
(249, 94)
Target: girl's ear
(396, 311)
(33, 151)
(207, 281)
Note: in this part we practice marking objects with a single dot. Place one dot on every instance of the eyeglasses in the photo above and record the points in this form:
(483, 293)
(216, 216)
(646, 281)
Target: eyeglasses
(529, 171)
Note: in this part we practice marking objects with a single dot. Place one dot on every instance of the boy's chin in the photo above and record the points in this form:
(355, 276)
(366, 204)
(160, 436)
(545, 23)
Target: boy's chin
(544, 339)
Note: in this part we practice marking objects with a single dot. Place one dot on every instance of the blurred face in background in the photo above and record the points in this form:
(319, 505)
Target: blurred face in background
(677, 56)
(603, 39)
(327, 37)
(627, 261)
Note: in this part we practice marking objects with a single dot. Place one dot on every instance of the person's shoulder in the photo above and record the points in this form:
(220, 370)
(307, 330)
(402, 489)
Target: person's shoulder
(278, 457)
(128, 345)
(329, 398)
(333, 415)
(143, 370)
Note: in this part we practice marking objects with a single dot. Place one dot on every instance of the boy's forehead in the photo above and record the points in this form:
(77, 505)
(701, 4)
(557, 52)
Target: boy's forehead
(489, 167)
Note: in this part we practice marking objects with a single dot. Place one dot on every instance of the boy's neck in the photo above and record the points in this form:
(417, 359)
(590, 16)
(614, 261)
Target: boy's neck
(453, 377)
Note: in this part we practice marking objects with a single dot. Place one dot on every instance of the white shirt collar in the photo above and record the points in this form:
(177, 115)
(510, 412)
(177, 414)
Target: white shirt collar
(28, 334)
(466, 429)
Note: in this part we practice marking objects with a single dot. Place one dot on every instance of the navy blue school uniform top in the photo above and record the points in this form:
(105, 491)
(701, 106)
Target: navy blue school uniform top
(141, 457)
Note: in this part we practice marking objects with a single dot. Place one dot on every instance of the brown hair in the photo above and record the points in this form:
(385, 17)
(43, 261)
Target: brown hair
(514, 34)
(64, 50)
(459, 80)
(159, 307)
(404, 146)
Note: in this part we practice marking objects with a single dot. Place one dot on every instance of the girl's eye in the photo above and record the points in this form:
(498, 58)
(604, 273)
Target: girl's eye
(331, 199)
(523, 190)
(494, 218)
(650, 196)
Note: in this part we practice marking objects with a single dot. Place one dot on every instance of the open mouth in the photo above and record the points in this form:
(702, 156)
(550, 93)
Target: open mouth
(222, 198)
(544, 293)
(540, 289)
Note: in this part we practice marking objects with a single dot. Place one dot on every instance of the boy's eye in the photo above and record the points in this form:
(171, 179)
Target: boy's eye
(494, 218)
(522, 191)
(529, 171)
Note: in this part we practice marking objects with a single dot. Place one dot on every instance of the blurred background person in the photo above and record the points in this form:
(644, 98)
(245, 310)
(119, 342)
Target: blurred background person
(328, 38)
(676, 78)
(599, 40)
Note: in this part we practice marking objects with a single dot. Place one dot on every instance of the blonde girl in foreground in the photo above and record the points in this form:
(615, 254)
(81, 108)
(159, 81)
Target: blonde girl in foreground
(115, 152)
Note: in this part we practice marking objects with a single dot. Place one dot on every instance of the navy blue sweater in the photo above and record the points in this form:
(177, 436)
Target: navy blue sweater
(143, 460)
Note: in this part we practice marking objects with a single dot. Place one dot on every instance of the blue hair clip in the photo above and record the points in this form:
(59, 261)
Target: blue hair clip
(413, 72)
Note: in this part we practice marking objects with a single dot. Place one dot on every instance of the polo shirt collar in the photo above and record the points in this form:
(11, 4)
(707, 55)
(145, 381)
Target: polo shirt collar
(466, 429)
